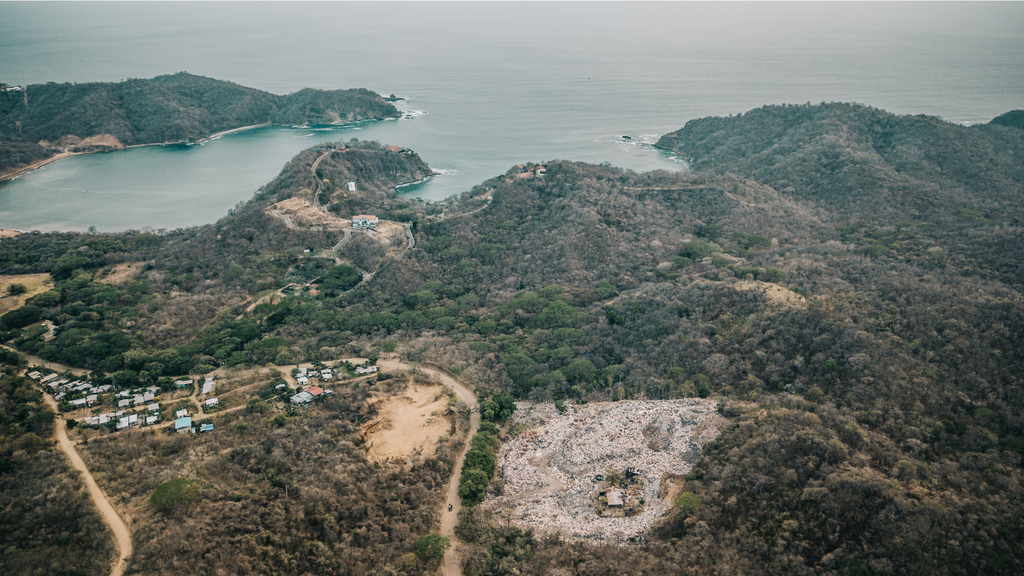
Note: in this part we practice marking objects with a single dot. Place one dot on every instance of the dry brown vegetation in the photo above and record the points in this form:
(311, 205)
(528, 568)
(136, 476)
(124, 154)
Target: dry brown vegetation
(295, 498)
(48, 525)
(34, 284)
(121, 274)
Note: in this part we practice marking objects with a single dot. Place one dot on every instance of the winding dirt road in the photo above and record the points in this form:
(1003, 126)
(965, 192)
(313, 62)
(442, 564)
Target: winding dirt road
(107, 512)
(451, 565)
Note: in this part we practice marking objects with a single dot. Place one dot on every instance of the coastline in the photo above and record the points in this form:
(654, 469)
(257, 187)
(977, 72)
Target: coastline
(12, 174)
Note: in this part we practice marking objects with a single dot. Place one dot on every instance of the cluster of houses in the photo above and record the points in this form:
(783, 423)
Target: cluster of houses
(84, 394)
(183, 423)
(304, 374)
(78, 393)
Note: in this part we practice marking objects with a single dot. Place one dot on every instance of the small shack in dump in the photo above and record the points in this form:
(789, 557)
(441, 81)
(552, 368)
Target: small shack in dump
(614, 498)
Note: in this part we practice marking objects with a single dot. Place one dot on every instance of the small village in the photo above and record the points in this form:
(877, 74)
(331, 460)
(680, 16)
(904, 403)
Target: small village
(189, 399)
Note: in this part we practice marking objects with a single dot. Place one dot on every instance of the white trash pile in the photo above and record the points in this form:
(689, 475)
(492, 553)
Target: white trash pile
(549, 469)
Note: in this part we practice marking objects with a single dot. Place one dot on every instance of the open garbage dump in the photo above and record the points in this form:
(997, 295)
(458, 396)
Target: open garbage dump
(600, 472)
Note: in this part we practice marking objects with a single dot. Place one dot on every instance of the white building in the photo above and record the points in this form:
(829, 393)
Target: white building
(365, 221)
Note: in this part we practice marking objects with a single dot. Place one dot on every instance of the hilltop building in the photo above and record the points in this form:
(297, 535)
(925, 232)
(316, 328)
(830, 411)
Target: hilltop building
(363, 221)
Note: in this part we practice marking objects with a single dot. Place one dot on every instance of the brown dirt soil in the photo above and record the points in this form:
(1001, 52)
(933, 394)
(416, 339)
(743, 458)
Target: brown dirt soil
(392, 235)
(303, 213)
(408, 423)
(774, 293)
(8, 233)
(122, 273)
(103, 140)
(36, 284)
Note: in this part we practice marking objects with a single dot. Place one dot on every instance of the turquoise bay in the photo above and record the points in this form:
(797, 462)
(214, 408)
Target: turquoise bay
(489, 85)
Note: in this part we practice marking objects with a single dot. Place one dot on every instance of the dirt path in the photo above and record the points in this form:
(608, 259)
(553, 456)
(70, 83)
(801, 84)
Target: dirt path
(117, 526)
(37, 361)
(451, 565)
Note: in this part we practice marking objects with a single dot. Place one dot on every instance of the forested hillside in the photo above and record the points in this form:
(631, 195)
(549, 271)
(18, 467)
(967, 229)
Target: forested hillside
(46, 118)
(846, 282)
(47, 522)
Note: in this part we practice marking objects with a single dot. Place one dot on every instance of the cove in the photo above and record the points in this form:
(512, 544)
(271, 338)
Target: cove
(154, 187)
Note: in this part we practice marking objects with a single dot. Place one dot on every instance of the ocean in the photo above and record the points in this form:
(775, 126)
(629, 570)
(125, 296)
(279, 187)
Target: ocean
(488, 85)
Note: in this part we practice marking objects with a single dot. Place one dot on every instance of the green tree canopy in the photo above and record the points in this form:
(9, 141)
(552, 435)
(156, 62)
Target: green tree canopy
(432, 547)
(174, 494)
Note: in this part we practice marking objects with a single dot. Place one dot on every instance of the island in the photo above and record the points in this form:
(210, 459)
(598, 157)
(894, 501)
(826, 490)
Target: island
(43, 122)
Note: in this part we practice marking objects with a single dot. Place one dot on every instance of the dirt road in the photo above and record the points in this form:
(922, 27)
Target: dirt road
(37, 361)
(451, 565)
(117, 526)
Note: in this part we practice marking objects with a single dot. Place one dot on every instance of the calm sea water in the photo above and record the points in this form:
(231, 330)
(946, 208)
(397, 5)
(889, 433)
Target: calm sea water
(491, 84)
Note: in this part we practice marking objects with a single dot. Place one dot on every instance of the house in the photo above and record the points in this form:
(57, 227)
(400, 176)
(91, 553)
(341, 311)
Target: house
(365, 221)
(148, 397)
(98, 420)
(315, 390)
(183, 383)
(302, 380)
(48, 378)
(139, 399)
(351, 186)
(326, 375)
(181, 413)
(34, 375)
(124, 403)
(366, 370)
(127, 421)
(154, 407)
(150, 420)
(208, 386)
(206, 428)
(183, 424)
(91, 399)
(302, 371)
(79, 402)
(212, 402)
(301, 398)
(280, 386)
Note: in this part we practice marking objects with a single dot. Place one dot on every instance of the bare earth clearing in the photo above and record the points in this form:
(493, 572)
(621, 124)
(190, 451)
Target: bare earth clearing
(35, 283)
(121, 274)
(302, 213)
(549, 468)
(773, 293)
(409, 423)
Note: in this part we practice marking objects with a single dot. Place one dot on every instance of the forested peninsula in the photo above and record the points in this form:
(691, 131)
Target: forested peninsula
(845, 284)
(42, 120)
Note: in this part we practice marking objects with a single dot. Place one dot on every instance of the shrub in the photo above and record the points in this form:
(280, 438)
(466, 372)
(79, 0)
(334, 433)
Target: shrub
(432, 547)
(687, 504)
(174, 494)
